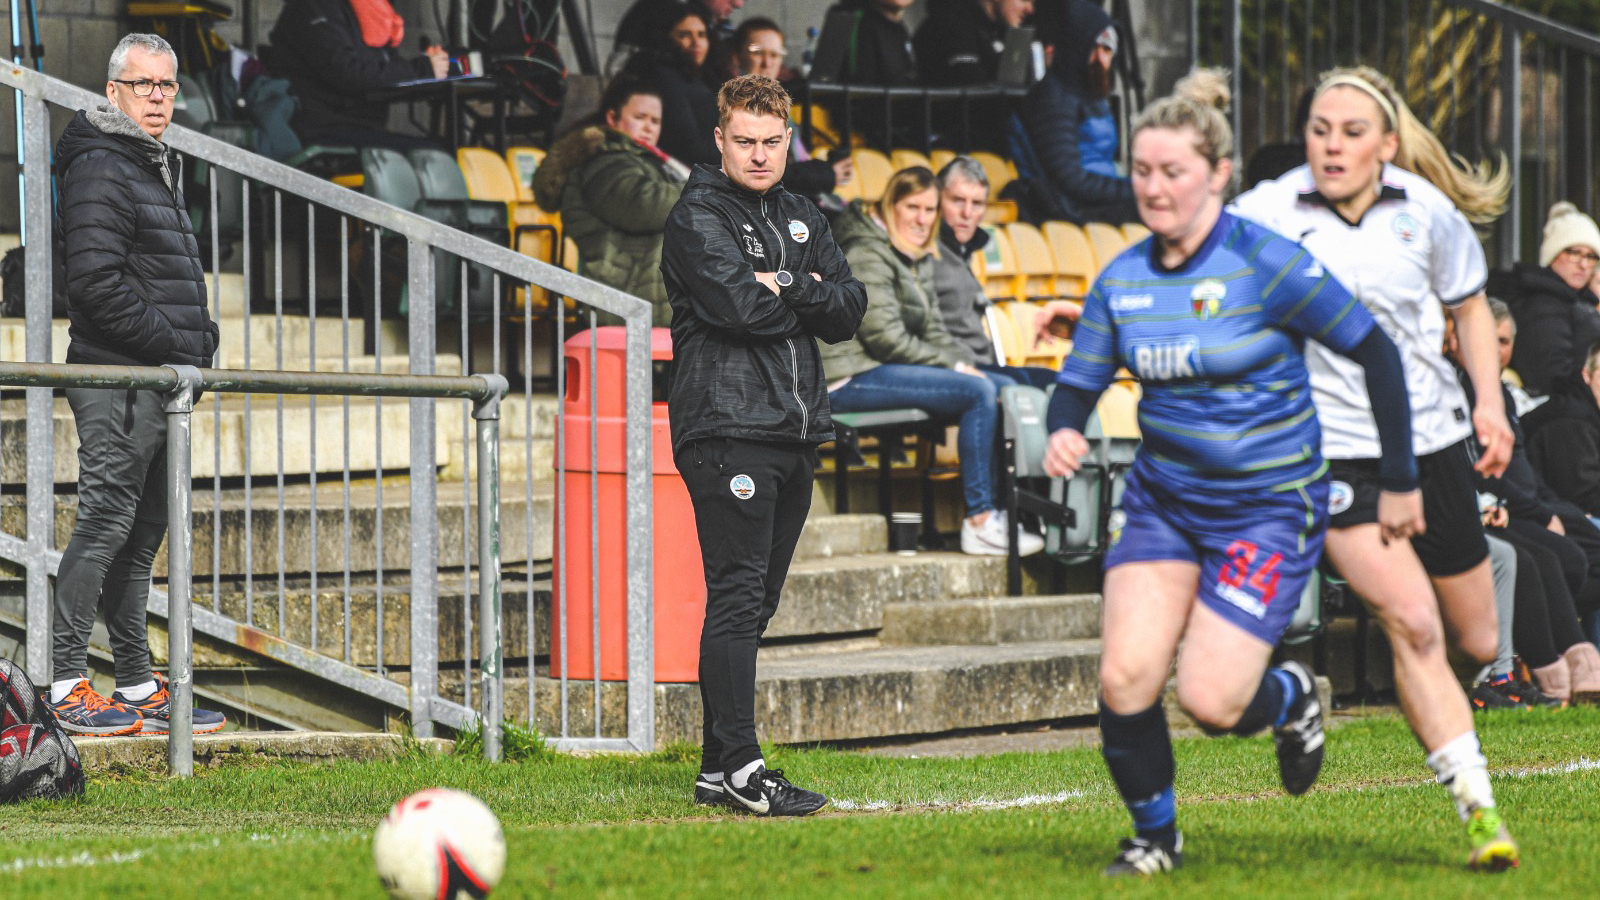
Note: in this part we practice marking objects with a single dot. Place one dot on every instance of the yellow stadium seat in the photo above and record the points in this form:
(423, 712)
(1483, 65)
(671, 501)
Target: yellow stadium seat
(1036, 267)
(524, 161)
(1134, 232)
(1119, 411)
(1107, 241)
(1000, 212)
(873, 171)
(489, 178)
(824, 136)
(940, 157)
(1075, 260)
(996, 266)
(905, 158)
(569, 255)
(1000, 170)
(1032, 350)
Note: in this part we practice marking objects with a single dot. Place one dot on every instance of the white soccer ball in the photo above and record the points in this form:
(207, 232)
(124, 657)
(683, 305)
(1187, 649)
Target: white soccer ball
(439, 843)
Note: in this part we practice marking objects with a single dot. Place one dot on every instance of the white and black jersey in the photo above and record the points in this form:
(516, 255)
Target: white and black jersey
(1410, 253)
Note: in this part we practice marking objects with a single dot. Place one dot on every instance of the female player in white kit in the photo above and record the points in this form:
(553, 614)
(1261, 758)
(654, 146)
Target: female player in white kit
(1402, 242)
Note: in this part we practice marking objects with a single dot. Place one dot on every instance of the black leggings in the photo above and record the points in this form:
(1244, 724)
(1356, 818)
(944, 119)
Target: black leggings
(1545, 623)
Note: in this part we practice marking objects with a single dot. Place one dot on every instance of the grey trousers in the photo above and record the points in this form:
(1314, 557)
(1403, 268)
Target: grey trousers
(122, 518)
(1503, 561)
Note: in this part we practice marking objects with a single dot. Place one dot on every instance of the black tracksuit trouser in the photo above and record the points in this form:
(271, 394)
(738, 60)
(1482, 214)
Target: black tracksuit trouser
(122, 518)
(750, 502)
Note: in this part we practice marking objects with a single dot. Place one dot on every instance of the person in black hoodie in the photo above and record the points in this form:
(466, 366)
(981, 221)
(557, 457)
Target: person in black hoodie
(1564, 436)
(1064, 138)
(137, 298)
(1555, 310)
(755, 279)
(960, 40)
(679, 64)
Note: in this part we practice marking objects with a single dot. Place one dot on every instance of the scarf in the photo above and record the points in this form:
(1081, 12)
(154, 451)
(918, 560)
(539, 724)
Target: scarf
(381, 26)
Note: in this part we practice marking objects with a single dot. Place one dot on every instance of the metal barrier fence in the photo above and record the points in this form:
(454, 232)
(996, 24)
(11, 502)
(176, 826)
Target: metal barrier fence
(181, 384)
(319, 615)
(1488, 79)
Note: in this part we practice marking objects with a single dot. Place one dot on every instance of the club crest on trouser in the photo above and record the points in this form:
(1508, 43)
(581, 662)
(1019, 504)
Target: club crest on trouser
(798, 231)
(1207, 298)
(743, 486)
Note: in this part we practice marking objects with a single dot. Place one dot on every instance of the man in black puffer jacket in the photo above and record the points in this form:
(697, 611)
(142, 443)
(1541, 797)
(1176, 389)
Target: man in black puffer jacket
(136, 296)
(754, 279)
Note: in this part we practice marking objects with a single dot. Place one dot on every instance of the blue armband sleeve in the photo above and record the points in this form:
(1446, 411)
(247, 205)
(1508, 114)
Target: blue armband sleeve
(1391, 410)
(1070, 407)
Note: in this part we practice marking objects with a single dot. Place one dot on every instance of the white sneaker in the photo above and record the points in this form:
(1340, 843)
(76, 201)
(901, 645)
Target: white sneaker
(989, 539)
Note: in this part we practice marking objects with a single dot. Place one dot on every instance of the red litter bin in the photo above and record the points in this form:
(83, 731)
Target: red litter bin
(680, 585)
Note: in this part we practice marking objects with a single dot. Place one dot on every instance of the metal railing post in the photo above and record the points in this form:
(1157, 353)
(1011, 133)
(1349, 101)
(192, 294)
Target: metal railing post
(641, 549)
(41, 499)
(424, 497)
(180, 541)
(491, 669)
(1511, 131)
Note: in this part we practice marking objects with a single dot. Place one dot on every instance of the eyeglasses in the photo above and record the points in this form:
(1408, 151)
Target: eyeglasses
(1582, 255)
(145, 87)
(758, 50)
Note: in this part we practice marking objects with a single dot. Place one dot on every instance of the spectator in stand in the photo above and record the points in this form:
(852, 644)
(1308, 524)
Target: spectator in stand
(677, 62)
(614, 189)
(1564, 437)
(1555, 574)
(1555, 310)
(963, 197)
(960, 41)
(902, 356)
(336, 53)
(643, 20)
(758, 49)
(1064, 138)
(880, 45)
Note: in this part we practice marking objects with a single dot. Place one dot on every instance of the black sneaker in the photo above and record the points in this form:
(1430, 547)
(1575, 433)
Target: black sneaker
(708, 793)
(768, 793)
(1143, 856)
(1528, 693)
(1299, 738)
(1496, 695)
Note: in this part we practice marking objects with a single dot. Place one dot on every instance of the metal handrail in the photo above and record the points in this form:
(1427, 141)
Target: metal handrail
(180, 385)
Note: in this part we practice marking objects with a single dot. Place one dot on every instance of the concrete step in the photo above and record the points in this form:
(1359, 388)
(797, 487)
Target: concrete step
(150, 753)
(848, 594)
(853, 694)
(992, 620)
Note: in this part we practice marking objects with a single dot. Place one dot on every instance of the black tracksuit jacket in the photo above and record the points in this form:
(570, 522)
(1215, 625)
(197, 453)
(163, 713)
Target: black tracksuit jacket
(746, 363)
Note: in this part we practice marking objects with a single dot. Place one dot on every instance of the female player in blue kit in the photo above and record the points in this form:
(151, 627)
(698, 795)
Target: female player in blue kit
(1226, 502)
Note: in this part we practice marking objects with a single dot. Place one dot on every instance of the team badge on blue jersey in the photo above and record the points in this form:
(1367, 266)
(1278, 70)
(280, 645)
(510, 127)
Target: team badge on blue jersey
(743, 487)
(1405, 227)
(1207, 298)
(797, 230)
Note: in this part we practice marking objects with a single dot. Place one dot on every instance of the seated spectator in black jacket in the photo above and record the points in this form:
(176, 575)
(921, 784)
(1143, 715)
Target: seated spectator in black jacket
(960, 41)
(678, 63)
(1555, 310)
(758, 49)
(1564, 436)
(1064, 138)
(335, 56)
(963, 198)
(643, 20)
(880, 44)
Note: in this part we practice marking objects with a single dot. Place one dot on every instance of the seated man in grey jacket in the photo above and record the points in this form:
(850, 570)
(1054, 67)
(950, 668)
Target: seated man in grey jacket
(963, 197)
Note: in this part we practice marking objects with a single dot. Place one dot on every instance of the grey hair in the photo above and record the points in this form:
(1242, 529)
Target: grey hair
(152, 43)
(964, 167)
(1502, 313)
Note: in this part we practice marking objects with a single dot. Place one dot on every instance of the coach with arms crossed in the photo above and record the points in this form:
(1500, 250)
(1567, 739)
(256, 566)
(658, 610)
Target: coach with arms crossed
(137, 297)
(755, 280)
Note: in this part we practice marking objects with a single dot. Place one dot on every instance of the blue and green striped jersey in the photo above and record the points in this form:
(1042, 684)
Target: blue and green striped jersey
(1217, 344)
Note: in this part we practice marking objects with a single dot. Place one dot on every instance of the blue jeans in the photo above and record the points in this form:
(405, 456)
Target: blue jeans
(944, 394)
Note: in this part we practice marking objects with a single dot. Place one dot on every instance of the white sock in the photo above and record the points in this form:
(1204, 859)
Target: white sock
(742, 777)
(1461, 767)
(138, 692)
(712, 777)
(60, 689)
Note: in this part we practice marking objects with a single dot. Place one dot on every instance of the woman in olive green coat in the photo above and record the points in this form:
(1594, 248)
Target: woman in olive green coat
(614, 190)
(902, 356)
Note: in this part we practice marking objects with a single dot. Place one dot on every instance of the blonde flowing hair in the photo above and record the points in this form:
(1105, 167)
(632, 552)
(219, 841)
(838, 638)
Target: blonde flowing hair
(1481, 191)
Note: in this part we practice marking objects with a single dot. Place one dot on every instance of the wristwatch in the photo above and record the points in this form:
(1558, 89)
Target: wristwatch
(784, 278)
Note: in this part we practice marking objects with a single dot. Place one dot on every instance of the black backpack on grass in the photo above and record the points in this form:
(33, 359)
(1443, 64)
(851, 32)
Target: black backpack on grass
(37, 759)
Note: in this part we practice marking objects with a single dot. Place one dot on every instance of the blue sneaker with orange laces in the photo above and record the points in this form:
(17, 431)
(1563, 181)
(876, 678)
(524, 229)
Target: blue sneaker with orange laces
(86, 712)
(157, 711)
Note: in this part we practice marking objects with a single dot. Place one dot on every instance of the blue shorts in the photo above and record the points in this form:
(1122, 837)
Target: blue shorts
(1256, 548)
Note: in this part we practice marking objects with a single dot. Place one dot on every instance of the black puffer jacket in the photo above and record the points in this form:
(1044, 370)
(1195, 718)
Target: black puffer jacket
(135, 291)
(1564, 445)
(1556, 324)
(317, 45)
(744, 359)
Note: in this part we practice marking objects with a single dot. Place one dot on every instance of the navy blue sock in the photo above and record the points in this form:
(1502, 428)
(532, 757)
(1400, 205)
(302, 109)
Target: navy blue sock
(1270, 706)
(1138, 751)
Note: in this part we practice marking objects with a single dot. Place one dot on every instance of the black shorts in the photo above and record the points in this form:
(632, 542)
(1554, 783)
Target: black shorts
(1454, 540)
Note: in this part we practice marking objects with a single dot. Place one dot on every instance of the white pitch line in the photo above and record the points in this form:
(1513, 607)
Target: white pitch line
(80, 860)
(1582, 764)
(979, 803)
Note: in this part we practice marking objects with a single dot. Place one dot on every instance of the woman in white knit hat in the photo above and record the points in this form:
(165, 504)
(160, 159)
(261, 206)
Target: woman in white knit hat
(1552, 303)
